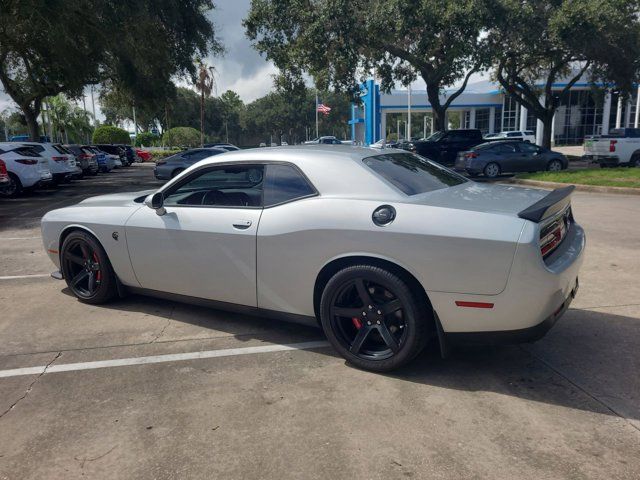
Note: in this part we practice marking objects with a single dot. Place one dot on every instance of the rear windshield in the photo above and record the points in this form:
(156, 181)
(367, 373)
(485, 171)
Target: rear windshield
(412, 174)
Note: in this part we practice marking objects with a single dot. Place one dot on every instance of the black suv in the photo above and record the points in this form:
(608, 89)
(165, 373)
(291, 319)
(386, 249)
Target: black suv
(443, 146)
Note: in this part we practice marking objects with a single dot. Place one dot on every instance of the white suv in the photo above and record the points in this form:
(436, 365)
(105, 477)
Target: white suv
(26, 168)
(525, 136)
(62, 165)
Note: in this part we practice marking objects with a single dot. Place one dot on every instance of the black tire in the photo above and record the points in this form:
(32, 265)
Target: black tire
(492, 170)
(554, 165)
(382, 336)
(635, 161)
(86, 268)
(177, 172)
(13, 189)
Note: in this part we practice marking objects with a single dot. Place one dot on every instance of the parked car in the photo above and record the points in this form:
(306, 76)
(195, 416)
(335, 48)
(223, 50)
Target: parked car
(25, 168)
(386, 250)
(143, 155)
(4, 176)
(105, 162)
(117, 161)
(443, 146)
(85, 160)
(508, 156)
(116, 151)
(525, 136)
(620, 148)
(130, 154)
(78, 172)
(225, 146)
(326, 140)
(62, 166)
(175, 164)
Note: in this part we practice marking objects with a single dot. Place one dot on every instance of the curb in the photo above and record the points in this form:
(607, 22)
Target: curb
(579, 188)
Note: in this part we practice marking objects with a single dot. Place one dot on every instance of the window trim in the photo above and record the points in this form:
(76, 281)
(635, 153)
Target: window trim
(265, 163)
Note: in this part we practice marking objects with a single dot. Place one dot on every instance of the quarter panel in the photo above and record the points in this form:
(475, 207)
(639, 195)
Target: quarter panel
(447, 250)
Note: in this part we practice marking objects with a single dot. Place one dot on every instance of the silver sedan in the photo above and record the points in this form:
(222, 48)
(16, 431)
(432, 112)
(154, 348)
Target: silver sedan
(384, 249)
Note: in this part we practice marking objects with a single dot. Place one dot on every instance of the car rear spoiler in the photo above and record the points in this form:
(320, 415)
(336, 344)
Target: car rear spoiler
(549, 205)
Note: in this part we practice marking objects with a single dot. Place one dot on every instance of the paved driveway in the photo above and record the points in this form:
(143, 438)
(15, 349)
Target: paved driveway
(188, 392)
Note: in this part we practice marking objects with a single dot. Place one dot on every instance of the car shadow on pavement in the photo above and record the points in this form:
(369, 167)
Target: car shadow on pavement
(588, 361)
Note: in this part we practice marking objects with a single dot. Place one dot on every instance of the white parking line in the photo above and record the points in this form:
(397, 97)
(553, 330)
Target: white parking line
(18, 238)
(17, 277)
(175, 357)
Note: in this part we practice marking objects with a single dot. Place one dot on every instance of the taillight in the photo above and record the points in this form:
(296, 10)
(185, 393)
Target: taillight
(612, 145)
(59, 159)
(25, 161)
(552, 234)
(471, 155)
(3, 169)
(85, 156)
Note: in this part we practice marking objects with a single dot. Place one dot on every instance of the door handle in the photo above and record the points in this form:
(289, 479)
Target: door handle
(242, 224)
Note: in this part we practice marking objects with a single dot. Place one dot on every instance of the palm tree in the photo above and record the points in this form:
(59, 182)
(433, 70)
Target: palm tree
(205, 84)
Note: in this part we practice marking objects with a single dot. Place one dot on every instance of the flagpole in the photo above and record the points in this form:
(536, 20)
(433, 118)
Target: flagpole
(317, 136)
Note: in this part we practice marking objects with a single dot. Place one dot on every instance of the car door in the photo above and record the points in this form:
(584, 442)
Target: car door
(531, 159)
(507, 156)
(204, 245)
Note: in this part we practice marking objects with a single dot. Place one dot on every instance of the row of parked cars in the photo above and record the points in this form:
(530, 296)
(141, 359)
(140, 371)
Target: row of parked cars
(30, 165)
(466, 150)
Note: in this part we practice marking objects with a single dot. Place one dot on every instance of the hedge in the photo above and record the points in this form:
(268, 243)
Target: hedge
(147, 139)
(110, 134)
(181, 137)
(160, 154)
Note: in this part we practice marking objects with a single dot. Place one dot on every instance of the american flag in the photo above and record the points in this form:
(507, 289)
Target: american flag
(324, 109)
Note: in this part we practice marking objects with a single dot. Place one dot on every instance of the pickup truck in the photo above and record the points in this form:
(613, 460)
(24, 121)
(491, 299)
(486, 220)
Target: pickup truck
(443, 146)
(620, 148)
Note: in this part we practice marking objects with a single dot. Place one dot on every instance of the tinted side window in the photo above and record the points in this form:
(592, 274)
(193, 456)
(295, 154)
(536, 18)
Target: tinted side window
(27, 151)
(514, 134)
(504, 148)
(229, 186)
(284, 183)
(528, 148)
(412, 174)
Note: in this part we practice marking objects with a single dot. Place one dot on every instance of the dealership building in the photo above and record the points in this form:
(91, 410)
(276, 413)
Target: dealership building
(587, 110)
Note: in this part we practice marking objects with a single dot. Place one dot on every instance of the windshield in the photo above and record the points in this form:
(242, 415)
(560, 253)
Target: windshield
(434, 137)
(412, 174)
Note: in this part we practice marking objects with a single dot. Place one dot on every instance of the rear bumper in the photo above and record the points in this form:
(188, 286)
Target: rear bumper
(607, 160)
(510, 337)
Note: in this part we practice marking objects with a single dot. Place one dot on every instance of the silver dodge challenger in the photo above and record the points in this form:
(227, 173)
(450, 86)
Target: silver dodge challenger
(385, 249)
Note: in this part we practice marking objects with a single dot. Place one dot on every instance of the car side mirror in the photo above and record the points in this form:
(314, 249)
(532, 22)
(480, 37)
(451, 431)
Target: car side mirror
(156, 202)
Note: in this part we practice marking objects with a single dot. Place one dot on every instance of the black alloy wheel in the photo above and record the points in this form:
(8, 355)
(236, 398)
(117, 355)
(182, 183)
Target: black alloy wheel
(87, 269)
(372, 318)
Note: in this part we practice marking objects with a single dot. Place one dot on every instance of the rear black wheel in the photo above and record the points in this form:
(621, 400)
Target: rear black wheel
(87, 269)
(554, 166)
(492, 170)
(372, 318)
(635, 161)
(13, 189)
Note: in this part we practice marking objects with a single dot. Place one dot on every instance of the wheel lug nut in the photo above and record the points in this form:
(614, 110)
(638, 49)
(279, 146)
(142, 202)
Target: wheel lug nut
(368, 323)
(370, 307)
(379, 312)
(378, 322)
(364, 314)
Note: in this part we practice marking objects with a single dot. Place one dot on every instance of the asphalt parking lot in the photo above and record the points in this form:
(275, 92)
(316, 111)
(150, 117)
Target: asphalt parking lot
(236, 400)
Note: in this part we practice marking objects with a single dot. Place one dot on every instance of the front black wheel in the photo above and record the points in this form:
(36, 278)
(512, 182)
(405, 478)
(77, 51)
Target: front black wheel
(86, 269)
(554, 166)
(373, 319)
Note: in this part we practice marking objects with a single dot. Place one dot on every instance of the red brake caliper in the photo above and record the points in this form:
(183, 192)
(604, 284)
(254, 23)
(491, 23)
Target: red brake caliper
(356, 322)
(99, 273)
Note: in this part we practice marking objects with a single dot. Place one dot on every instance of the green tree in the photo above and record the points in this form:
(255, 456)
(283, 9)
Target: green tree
(232, 110)
(110, 134)
(206, 84)
(337, 40)
(147, 139)
(68, 120)
(51, 47)
(541, 43)
(181, 137)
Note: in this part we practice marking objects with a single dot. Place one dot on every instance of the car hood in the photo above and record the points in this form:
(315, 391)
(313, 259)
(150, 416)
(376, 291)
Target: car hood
(115, 199)
(479, 197)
